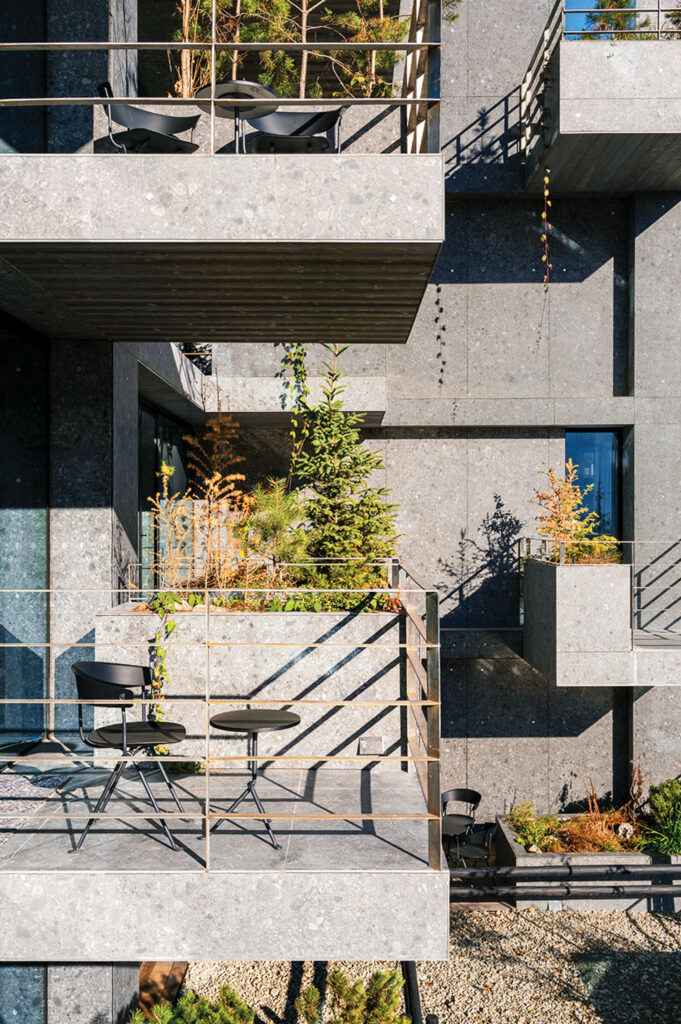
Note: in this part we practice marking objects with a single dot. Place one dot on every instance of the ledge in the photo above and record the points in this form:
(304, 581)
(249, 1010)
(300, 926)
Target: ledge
(614, 111)
(206, 248)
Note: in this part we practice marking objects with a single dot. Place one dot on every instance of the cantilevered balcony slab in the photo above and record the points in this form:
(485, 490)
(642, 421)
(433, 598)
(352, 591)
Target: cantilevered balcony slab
(337, 889)
(612, 117)
(317, 248)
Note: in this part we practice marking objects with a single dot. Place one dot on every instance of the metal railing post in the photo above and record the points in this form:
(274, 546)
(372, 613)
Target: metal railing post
(433, 728)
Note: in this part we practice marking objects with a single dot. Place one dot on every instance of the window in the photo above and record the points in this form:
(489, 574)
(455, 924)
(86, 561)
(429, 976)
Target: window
(597, 453)
(160, 441)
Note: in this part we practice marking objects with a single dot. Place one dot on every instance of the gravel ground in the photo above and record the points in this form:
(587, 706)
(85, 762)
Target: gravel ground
(507, 967)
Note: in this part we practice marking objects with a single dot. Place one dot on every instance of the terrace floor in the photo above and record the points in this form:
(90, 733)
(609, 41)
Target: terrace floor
(31, 842)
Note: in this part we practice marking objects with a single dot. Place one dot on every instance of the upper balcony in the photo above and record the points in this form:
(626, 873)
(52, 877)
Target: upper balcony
(329, 238)
(601, 99)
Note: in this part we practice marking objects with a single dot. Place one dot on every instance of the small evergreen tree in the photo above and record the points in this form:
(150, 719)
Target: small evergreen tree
(352, 1003)
(193, 1009)
(348, 517)
(273, 527)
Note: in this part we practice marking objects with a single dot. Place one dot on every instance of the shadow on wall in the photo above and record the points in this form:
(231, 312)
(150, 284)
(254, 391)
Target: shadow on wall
(486, 152)
(482, 579)
(506, 727)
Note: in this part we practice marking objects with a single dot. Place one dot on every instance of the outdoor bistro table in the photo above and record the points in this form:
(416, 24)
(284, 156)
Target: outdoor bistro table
(238, 90)
(253, 722)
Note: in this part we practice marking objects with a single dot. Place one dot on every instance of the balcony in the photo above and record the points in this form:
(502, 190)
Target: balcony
(601, 101)
(604, 624)
(217, 245)
(352, 792)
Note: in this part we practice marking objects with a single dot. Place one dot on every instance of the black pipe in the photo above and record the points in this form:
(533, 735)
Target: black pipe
(412, 1000)
(565, 872)
(557, 891)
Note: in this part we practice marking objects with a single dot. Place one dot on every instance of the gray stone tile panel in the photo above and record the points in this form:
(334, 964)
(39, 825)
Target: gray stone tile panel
(375, 196)
(329, 915)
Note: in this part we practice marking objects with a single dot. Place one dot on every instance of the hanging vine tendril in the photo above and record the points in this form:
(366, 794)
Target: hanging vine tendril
(547, 227)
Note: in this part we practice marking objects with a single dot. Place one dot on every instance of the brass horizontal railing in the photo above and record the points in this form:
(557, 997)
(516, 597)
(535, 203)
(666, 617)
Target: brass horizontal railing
(417, 638)
(417, 94)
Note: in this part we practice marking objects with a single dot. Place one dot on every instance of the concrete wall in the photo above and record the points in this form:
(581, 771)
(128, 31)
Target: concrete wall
(288, 668)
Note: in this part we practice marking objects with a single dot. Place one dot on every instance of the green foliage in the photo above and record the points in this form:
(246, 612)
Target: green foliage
(352, 1002)
(615, 19)
(450, 9)
(663, 834)
(530, 829)
(348, 516)
(273, 527)
(367, 73)
(193, 1009)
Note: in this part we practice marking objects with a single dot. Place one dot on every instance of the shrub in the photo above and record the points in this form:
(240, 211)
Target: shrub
(352, 1003)
(663, 833)
(531, 830)
(590, 832)
(193, 1009)
(565, 518)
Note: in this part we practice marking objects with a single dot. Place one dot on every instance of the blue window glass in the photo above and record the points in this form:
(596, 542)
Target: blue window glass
(597, 454)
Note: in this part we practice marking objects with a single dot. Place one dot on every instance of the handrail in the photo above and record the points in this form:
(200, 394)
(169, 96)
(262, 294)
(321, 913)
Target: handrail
(417, 95)
(421, 710)
(532, 107)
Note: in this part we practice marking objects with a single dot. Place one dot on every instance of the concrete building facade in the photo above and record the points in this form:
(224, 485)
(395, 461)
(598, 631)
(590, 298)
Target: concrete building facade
(468, 402)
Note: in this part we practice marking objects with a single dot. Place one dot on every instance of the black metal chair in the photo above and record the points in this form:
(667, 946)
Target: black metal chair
(148, 132)
(287, 131)
(455, 825)
(102, 681)
(475, 845)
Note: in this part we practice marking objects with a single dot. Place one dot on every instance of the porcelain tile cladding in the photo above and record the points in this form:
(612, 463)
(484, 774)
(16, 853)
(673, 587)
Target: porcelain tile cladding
(250, 669)
(306, 915)
(620, 87)
(381, 197)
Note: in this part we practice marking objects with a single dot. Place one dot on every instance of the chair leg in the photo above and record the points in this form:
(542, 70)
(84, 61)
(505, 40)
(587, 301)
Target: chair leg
(170, 786)
(104, 798)
(152, 800)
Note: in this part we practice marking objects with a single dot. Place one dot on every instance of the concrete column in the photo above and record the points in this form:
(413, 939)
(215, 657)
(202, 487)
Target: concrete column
(91, 993)
(81, 439)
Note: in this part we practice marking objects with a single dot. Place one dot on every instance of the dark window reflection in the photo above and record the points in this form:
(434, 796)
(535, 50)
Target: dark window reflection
(597, 453)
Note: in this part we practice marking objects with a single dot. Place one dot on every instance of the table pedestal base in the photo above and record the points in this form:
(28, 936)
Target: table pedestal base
(251, 791)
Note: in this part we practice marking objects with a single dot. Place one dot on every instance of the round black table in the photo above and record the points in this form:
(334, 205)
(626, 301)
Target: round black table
(241, 90)
(252, 723)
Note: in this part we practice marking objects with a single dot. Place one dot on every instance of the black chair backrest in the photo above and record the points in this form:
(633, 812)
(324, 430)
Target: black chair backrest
(463, 796)
(135, 117)
(289, 122)
(107, 681)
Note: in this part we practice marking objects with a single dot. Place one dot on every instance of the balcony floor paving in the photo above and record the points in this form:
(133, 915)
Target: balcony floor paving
(43, 843)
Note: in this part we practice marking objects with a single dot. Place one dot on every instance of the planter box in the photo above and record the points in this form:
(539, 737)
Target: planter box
(577, 628)
(510, 852)
(340, 669)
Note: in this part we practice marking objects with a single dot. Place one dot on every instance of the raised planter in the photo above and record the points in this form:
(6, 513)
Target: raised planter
(512, 853)
(237, 663)
(577, 629)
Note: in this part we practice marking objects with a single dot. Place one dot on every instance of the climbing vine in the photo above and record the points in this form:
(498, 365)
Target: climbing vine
(547, 227)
